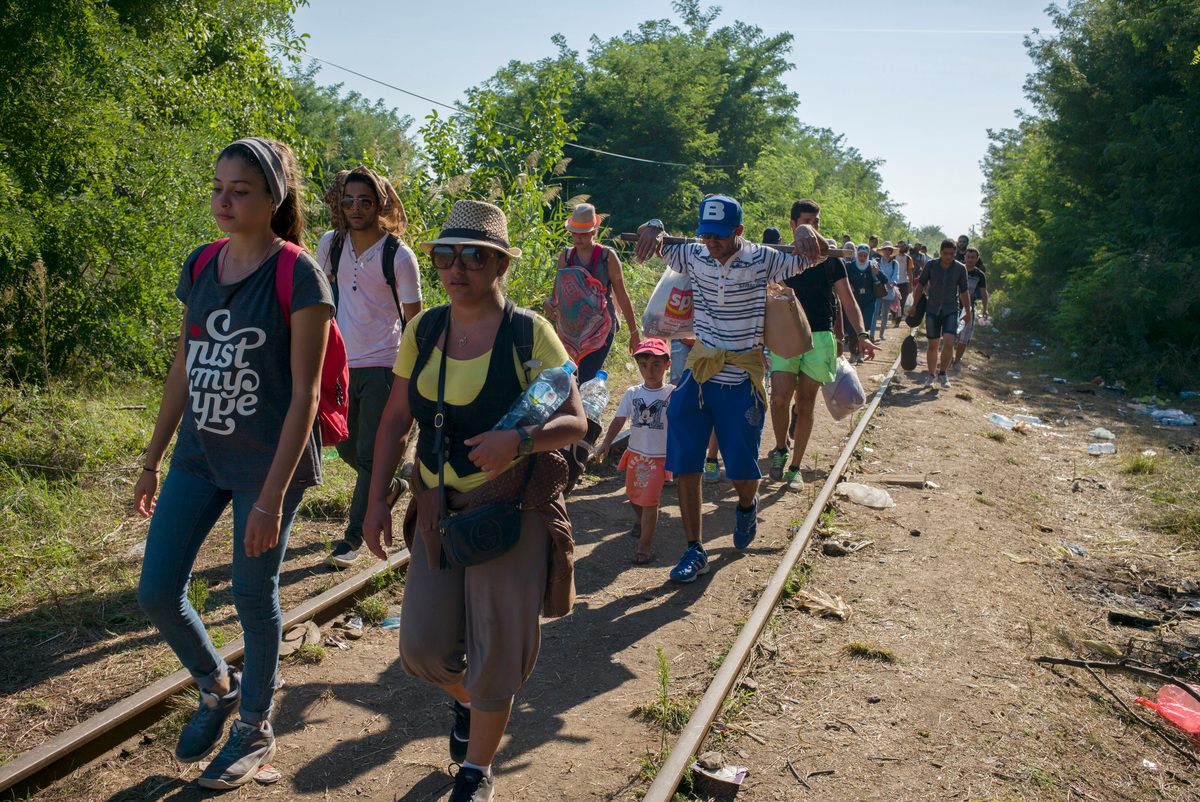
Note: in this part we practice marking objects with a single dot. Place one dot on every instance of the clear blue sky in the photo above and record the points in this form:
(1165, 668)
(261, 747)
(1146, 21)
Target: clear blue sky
(961, 63)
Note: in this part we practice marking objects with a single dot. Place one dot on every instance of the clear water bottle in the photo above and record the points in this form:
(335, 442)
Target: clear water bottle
(1102, 448)
(595, 395)
(540, 399)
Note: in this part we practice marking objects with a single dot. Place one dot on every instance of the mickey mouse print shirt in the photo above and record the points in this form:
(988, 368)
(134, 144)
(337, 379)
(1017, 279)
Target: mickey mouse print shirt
(237, 354)
(646, 410)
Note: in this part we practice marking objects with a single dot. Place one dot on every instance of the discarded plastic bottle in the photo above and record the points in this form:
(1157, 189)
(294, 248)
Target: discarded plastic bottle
(1030, 419)
(595, 395)
(1102, 448)
(1001, 421)
(540, 399)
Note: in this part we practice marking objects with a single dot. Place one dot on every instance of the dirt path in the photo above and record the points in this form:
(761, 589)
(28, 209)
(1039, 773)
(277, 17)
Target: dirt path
(963, 606)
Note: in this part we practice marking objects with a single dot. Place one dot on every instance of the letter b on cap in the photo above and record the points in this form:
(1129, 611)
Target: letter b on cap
(713, 210)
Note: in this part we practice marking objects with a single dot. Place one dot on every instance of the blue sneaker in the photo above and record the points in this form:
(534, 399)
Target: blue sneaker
(693, 563)
(204, 728)
(746, 527)
(712, 471)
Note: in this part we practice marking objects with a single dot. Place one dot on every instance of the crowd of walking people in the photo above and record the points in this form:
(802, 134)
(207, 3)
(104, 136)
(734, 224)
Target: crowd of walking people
(256, 391)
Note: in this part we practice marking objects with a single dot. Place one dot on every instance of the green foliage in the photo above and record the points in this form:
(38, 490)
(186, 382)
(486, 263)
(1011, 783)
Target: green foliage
(197, 594)
(344, 132)
(112, 116)
(372, 609)
(1092, 219)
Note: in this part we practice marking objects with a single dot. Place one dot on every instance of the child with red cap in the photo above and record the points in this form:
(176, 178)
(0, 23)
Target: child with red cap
(644, 462)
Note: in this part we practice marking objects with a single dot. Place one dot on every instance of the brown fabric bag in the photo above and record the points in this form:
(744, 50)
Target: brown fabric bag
(785, 327)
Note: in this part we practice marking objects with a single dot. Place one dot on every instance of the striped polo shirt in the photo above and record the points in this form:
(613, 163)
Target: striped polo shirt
(729, 301)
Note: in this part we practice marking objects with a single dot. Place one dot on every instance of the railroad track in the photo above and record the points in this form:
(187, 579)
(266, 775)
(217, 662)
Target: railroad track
(43, 765)
(62, 754)
(688, 744)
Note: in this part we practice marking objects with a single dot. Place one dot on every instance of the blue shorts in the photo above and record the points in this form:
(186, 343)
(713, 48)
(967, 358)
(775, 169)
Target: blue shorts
(937, 324)
(733, 411)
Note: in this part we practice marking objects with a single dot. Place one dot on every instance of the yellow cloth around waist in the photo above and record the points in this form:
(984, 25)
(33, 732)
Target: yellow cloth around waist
(705, 362)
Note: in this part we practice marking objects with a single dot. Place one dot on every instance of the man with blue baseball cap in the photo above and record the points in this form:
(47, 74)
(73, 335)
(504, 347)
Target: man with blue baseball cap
(723, 386)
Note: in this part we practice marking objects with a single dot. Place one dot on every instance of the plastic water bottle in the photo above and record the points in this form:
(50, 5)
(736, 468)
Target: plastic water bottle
(540, 399)
(595, 395)
(1102, 448)
(1000, 420)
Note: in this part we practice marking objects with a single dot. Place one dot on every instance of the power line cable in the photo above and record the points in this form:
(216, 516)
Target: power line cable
(458, 110)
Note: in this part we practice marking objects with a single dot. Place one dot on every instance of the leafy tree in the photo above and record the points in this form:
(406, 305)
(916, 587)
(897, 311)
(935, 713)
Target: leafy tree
(342, 132)
(113, 113)
(1092, 203)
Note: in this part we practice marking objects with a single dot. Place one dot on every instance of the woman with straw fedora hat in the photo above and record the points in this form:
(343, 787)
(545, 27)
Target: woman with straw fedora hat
(471, 625)
(588, 280)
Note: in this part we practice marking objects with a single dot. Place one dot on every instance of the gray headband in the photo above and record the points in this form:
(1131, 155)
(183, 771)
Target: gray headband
(272, 166)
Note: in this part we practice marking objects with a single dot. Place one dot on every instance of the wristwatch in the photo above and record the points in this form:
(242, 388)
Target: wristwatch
(656, 223)
(525, 447)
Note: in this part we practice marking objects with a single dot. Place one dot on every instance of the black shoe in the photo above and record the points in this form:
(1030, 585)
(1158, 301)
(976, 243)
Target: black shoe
(461, 733)
(344, 554)
(471, 786)
(397, 489)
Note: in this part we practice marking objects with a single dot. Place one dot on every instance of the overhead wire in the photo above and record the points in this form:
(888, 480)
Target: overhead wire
(459, 110)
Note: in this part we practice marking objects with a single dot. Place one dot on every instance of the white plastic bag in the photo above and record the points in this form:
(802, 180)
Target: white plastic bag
(865, 495)
(669, 313)
(845, 393)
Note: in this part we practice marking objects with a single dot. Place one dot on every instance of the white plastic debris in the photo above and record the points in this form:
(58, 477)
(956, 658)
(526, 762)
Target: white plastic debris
(865, 495)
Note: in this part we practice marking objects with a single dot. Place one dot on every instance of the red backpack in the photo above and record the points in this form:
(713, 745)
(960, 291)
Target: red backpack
(334, 402)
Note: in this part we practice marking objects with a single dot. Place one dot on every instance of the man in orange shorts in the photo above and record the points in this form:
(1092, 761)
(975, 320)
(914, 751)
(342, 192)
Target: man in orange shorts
(644, 463)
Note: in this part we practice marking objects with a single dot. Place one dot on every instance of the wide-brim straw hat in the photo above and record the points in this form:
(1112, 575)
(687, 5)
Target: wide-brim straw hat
(887, 246)
(583, 219)
(475, 223)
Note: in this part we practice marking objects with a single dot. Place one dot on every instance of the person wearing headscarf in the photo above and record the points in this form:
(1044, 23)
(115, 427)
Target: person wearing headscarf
(863, 274)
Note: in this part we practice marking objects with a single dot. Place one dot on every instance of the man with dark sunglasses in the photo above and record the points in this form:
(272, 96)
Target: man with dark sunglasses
(722, 388)
(376, 287)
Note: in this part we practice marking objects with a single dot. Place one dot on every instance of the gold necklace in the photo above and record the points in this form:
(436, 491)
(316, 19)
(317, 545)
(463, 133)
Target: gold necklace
(462, 341)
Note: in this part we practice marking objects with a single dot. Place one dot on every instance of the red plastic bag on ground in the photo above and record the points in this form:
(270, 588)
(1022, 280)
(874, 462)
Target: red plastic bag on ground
(1178, 707)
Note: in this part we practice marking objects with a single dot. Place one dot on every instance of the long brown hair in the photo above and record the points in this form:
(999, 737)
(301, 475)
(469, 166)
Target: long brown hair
(288, 220)
(392, 217)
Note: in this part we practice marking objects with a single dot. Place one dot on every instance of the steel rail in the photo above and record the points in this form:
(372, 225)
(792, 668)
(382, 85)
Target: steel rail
(42, 765)
(667, 780)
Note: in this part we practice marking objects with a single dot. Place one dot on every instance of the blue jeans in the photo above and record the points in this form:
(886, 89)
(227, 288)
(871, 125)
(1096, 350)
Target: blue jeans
(187, 509)
(679, 354)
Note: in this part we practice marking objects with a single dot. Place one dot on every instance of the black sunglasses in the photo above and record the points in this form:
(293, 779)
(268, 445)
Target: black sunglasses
(718, 237)
(472, 257)
(362, 203)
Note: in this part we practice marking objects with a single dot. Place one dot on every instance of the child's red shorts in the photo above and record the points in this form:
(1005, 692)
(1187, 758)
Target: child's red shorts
(644, 477)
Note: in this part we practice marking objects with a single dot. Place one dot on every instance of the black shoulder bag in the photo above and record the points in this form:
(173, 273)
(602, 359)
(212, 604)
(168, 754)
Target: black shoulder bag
(486, 532)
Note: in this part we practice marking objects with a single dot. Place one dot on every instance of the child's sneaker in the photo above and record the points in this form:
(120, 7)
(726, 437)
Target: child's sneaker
(778, 461)
(745, 526)
(712, 471)
(200, 734)
(693, 563)
(248, 748)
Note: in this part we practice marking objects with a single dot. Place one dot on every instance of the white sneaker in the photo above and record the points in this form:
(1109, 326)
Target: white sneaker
(943, 380)
(930, 379)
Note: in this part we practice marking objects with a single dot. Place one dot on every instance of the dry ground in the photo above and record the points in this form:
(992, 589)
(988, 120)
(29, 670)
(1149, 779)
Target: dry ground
(962, 607)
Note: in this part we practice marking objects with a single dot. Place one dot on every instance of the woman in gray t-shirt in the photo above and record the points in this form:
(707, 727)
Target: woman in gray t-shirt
(242, 393)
